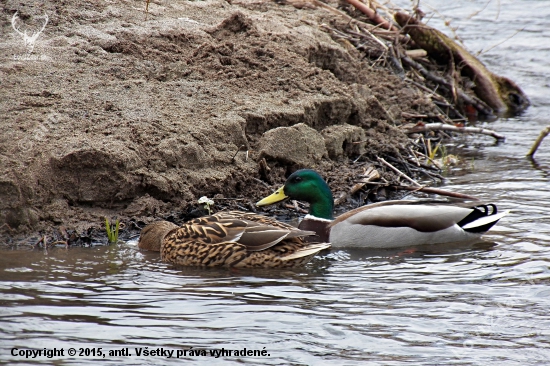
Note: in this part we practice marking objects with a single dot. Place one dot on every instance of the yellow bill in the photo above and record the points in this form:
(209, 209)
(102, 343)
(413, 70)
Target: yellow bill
(275, 197)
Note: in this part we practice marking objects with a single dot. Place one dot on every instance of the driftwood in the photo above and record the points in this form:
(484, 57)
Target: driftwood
(448, 85)
(500, 93)
(538, 141)
(445, 127)
(382, 42)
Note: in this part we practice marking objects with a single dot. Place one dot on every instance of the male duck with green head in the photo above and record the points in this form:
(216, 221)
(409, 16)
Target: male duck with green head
(388, 224)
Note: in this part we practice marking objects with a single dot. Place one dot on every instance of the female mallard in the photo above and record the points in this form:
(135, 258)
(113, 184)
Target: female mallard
(230, 239)
(389, 224)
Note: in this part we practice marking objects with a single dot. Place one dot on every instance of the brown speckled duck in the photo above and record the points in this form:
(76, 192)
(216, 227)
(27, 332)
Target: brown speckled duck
(230, 239)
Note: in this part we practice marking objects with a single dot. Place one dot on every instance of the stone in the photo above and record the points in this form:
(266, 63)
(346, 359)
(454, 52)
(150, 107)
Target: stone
(298, 144)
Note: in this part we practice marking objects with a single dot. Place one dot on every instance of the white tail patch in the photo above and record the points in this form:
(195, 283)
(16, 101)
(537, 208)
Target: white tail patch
(485, 220)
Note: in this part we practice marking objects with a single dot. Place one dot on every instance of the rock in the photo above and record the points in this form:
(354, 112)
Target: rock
(339, 140)
(299, 144)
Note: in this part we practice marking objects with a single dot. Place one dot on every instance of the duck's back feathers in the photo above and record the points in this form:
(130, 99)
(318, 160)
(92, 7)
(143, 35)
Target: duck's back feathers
(212, 232)
(288, 254)
(397, 223)
(250, 216)
(421, 218)
(233, 239)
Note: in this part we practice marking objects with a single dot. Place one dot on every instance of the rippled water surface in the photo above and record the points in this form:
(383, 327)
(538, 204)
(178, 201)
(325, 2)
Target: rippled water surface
(479, 305)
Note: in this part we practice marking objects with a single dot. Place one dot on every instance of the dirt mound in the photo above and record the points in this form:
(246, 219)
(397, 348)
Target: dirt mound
(113, 108)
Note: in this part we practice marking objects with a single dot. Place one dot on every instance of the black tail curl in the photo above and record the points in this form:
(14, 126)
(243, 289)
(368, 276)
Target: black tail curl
(477, 213)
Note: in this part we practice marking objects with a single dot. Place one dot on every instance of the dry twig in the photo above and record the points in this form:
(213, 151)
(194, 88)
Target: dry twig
(444, 127)
(369, 174)
(295, 207)
(400, 173)
(7, 226)
(239, 149)
(42, 240)
(373, 16)
(538, 141)
(261, 182)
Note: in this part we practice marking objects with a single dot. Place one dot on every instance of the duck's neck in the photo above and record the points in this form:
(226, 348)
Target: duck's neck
(319, 226)
(323, 205)
(322, 211)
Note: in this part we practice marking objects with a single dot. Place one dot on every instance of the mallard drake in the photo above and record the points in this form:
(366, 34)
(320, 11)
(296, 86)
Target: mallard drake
(389, 224)
(230, 239)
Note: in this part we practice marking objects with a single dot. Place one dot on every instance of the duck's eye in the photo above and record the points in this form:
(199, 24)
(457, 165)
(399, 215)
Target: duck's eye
(297, 179)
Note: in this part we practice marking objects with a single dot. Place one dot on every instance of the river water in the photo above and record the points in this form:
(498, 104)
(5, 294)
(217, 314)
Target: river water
(479, 305)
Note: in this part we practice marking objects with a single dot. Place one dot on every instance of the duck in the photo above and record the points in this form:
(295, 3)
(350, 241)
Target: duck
(388, 224)
(231, 239)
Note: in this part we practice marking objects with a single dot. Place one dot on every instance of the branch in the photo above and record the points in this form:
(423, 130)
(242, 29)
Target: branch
(373, 16)
(445, 127)
(538, 141)
(401, 174)
(333, 10)
(385, 33)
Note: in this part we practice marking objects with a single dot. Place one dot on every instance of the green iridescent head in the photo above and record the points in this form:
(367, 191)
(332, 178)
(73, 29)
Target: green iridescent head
(305, 185)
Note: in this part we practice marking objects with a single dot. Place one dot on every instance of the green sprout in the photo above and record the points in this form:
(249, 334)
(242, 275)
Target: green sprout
(432, 152)
(207, 203)
(112, 231)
